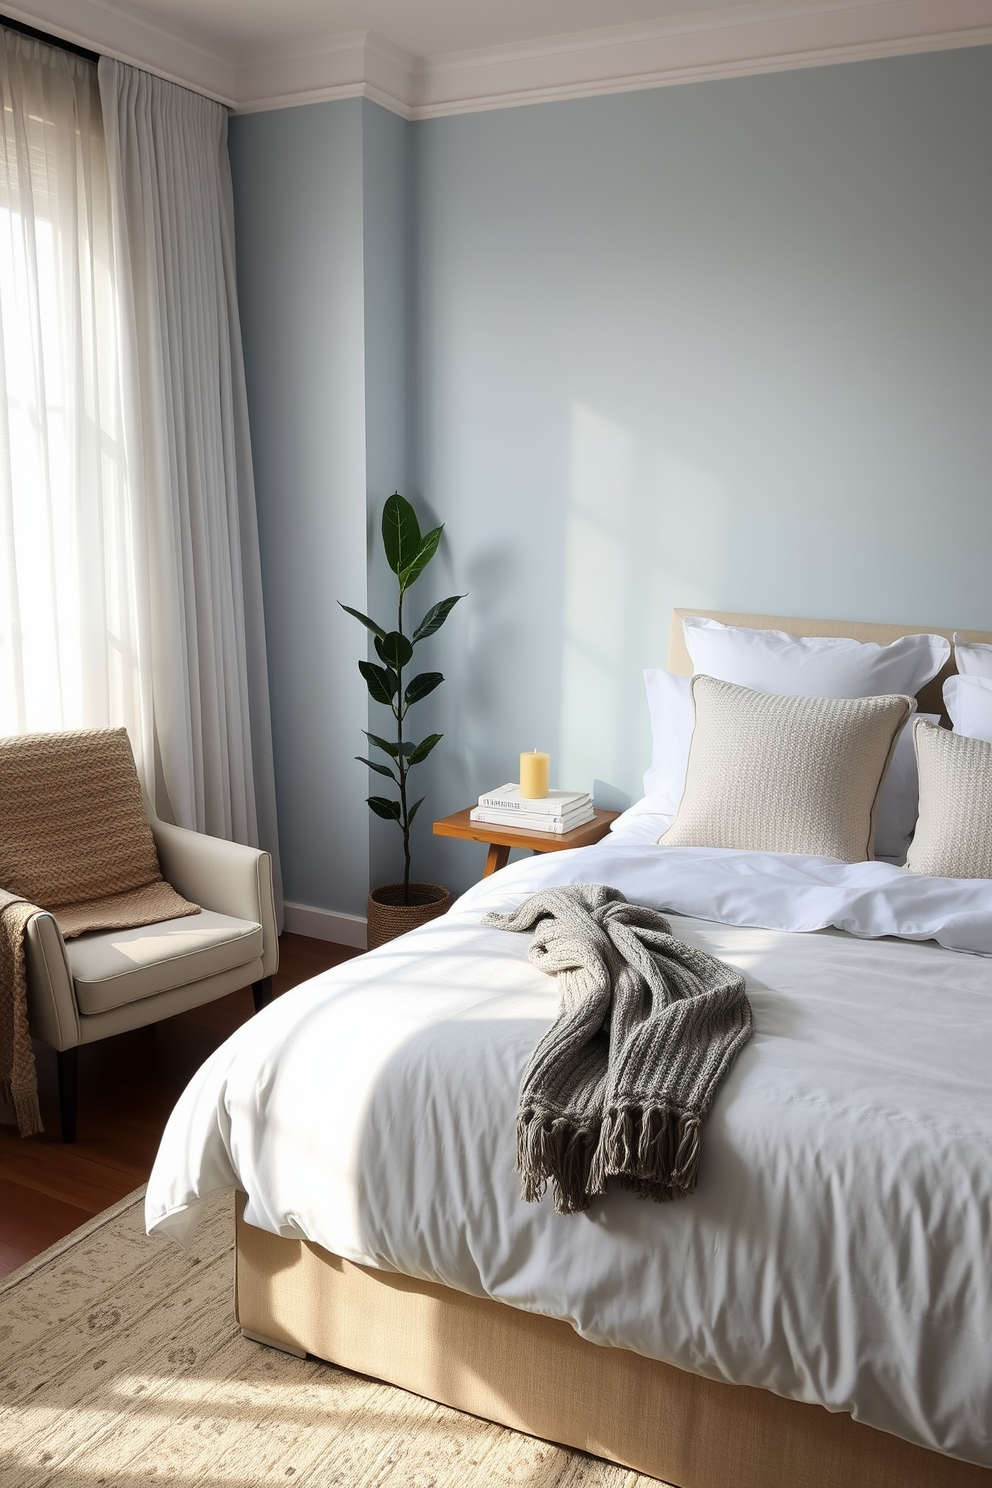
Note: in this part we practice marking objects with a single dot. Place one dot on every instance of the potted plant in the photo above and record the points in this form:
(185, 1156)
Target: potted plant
(395, 908)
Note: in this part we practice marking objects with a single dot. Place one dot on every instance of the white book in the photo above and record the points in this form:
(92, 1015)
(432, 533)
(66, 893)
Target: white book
(557, 825)
(555, 803)
(552, 826)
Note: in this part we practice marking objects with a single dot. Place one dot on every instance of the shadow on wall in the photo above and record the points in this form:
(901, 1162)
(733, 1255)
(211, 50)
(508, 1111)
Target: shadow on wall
(643, 529)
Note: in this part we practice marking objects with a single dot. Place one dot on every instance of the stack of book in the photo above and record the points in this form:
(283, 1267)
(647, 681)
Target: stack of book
(559, 811)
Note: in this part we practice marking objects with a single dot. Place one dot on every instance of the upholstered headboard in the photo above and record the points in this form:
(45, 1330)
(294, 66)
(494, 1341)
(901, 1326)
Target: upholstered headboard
(930, 697)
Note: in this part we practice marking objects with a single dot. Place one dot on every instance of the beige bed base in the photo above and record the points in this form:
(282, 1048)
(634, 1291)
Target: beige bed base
(538, 1376)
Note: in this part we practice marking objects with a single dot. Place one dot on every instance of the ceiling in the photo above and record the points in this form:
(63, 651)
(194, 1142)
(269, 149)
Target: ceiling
(426, 28)
(427, 57)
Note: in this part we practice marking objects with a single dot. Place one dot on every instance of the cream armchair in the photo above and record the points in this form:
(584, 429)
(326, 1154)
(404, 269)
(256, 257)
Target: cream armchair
(114, 980)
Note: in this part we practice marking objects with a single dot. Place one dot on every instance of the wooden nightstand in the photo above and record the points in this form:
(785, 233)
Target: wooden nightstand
(502, 839)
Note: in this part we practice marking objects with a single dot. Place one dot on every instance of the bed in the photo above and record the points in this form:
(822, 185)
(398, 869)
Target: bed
(818, 1312)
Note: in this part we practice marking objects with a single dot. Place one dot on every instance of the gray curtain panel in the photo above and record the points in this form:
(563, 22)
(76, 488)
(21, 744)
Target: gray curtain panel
(189, 455)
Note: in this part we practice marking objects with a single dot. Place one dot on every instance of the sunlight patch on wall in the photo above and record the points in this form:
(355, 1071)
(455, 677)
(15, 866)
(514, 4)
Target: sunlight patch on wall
(645, 530)
(596, 575)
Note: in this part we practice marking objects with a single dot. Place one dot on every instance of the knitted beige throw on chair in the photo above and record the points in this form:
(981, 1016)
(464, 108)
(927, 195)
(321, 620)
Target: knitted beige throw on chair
(74, 840)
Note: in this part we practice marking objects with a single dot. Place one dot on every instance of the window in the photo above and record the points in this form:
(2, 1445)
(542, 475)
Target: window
(68, 610)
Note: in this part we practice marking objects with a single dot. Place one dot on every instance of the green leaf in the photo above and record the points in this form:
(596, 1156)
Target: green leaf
(421, 685)
(415, 567)
(400, 532)
(376, 630)
(383, 744)
(423, 749)
(435, 618)
(413, 810)
(383, 684)
(388, 810)
(379, 769)
(394, 649)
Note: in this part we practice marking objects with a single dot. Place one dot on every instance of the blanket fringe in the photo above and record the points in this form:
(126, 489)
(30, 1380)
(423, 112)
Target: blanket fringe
(553, 1150)
(20, 1108)
(653, 1151)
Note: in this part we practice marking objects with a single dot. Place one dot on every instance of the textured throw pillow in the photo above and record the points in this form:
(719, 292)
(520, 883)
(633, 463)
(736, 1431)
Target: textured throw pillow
(968, 701)
(785, 774)
(954, 833)
(899, 798)
(670, 709)
(798, 666)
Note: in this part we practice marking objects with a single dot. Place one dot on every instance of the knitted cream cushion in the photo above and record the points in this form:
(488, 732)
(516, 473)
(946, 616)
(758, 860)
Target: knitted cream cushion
(954, 833)
(785, 774)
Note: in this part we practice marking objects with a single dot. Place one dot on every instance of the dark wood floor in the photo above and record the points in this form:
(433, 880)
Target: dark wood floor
(127, 1087)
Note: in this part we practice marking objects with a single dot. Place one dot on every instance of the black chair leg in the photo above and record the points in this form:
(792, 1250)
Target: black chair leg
(262, 993)
(68, 1067)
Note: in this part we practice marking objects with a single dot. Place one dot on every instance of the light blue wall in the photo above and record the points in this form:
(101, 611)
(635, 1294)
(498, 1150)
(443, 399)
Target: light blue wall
(727, 344)
(298, 185)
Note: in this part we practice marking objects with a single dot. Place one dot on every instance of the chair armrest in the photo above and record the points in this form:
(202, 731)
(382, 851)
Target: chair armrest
(52, 1012)
(223, 876)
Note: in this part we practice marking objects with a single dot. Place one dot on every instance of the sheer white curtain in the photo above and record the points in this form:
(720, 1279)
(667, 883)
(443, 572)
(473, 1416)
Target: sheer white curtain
(70, 643)
(188, 452)
(130, 584)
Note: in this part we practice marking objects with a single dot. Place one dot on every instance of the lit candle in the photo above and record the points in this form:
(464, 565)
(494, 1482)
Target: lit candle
(534, 774)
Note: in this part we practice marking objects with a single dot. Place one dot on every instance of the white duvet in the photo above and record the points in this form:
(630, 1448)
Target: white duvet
(839, 1245)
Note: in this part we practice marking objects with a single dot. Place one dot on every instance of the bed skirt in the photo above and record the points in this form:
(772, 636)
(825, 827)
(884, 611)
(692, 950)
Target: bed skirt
(536, 1375)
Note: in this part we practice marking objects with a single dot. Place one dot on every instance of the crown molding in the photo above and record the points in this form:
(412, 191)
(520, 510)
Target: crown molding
(729, 43)
(357, 65)
(761, 37)
(117, 32)
(764, 36)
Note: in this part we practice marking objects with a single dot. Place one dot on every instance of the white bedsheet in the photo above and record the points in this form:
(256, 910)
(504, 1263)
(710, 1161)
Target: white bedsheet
(839, 1245)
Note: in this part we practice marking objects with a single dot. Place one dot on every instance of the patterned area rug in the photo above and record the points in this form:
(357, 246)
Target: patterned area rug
(121, 1365)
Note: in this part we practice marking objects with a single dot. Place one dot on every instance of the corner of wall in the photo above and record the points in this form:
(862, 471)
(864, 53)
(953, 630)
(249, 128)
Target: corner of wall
(386, 157)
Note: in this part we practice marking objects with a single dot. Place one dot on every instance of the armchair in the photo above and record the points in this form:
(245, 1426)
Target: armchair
(111, 981)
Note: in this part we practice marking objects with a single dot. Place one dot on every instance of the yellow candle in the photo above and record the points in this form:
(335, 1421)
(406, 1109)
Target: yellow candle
(534, 774)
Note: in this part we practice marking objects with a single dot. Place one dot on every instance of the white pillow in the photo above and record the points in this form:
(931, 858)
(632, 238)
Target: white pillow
(643, 822)
(812, 666)
(670, 710)
(968, 701)
(972, 658)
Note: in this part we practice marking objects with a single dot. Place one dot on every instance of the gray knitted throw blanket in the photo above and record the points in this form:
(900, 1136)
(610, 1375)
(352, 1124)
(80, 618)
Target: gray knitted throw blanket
(648, 1027)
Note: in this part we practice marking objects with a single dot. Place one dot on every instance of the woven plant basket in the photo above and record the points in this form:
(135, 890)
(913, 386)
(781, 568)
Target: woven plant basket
(388, 916)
